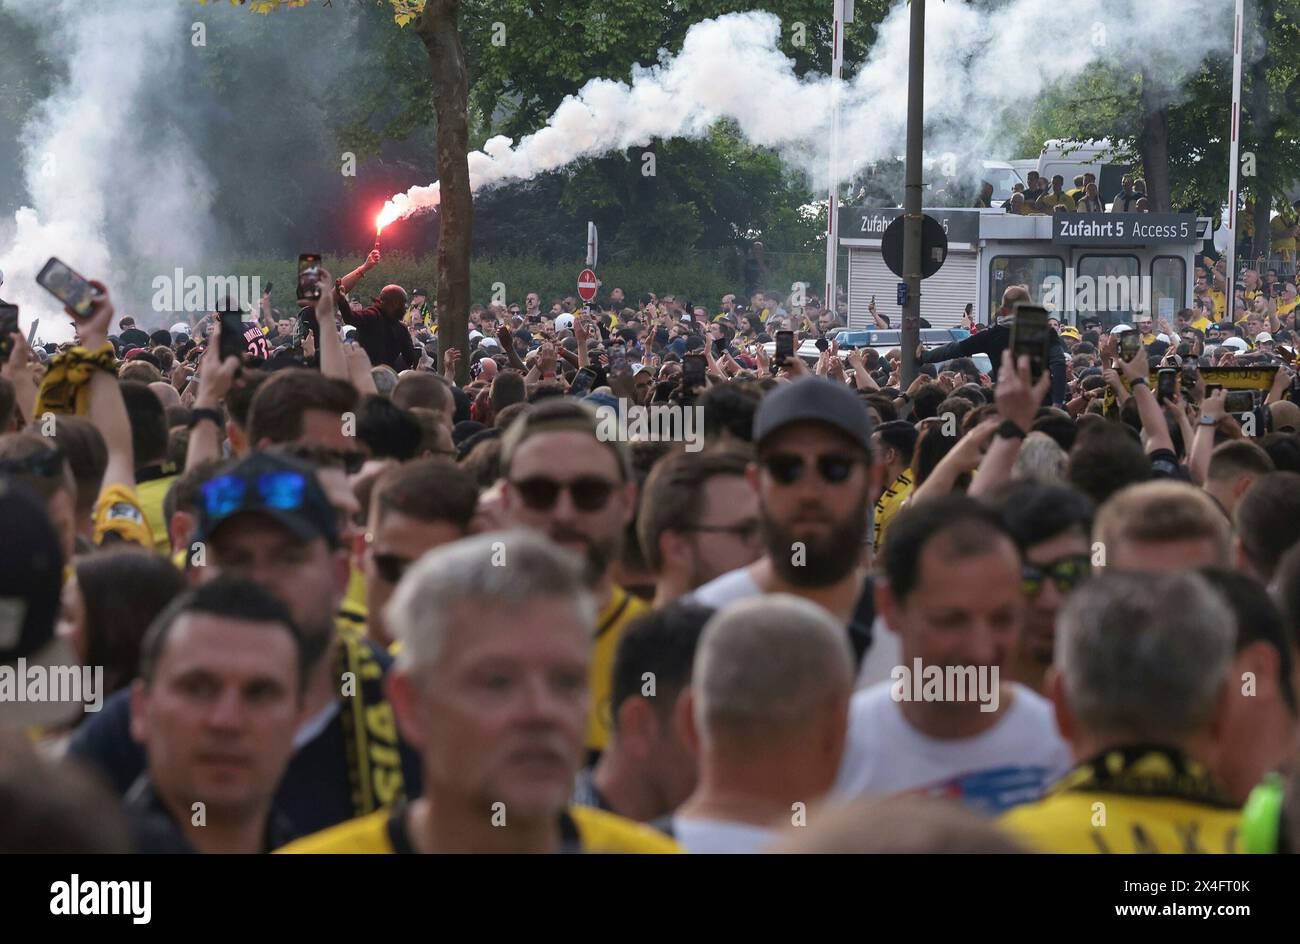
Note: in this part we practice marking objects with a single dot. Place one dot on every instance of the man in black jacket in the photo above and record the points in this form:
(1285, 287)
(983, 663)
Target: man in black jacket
(996, 339)
(381, 332)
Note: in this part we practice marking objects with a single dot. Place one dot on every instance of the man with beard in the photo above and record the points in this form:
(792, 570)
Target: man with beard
(814, 476)
(563, 481)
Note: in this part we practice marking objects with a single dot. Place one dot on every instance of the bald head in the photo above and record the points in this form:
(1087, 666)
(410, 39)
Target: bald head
(769, 670)
(392, 300)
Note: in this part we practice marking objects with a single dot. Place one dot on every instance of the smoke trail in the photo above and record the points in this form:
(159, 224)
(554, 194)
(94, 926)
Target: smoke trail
(92, 164)
(979, 62)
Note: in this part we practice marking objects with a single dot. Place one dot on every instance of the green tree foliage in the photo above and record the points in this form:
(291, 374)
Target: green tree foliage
(1103, 103)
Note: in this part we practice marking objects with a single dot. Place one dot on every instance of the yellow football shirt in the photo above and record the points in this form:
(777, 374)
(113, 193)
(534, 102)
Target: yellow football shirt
(1130, 800)
(621, 610)
(150, 495)
(582, 829)
(888, 505)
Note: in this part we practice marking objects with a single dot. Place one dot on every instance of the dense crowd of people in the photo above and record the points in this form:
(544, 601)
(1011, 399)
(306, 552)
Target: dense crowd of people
(325, 597)
(1043, 196)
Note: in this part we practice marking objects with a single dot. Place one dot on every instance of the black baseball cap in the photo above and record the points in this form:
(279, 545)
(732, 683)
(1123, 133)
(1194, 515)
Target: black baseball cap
(278, 487)
(813, 400)
(31, 581)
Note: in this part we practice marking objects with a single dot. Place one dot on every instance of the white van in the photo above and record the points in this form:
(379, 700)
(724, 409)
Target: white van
(1003, 177)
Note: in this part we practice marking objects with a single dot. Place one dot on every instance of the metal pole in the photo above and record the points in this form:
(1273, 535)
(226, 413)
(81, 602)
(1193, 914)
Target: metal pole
(1234, 147)
(911, 333)
(833, 204)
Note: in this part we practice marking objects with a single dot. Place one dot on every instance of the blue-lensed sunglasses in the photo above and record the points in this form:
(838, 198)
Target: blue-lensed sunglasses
(227, 494)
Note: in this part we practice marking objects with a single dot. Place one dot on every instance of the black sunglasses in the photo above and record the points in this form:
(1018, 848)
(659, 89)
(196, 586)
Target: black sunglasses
(1066, 572)
(834, 467)
(589, 493)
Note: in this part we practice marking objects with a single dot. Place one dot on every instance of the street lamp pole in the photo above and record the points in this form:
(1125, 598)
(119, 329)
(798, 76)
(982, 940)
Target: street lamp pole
(911, 327)
(1234, 148)
(843, 14)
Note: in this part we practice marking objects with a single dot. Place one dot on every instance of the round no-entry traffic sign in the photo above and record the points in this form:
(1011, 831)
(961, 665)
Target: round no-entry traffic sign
(587, 285)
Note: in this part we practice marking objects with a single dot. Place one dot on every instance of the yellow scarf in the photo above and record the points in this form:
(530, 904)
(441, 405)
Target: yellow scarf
(66, 386)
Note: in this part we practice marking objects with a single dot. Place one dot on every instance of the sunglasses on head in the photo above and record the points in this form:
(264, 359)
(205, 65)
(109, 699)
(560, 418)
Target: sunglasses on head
(227, 494)
(1066, 572)
(833, 467)
(589, 493)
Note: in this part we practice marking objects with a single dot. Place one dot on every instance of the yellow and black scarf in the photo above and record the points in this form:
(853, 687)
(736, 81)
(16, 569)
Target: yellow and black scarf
(66, 386)
(369, 728)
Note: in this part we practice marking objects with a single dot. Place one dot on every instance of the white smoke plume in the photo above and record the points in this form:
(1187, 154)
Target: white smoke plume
(93, 164)
(979, 62)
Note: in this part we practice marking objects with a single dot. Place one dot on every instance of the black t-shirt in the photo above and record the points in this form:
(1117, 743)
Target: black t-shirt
(132, 338)
(314, 794)
(386, 340)
(864, 615)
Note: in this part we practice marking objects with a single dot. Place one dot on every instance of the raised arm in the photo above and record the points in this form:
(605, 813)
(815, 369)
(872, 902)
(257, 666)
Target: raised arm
(1212, 411)
(215, 379)
(1153, 418)
(332, 362)
(963, 457)
(353, 277)
(105, 407)
(1017, 400)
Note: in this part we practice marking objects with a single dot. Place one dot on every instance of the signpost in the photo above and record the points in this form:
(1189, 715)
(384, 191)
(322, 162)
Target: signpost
(934, 246)
(912, 219)
(1124, 229)
(843, 13)
(1234, 148)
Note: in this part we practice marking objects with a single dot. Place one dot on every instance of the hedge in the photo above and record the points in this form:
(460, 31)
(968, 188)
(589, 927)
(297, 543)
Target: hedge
(697, 280)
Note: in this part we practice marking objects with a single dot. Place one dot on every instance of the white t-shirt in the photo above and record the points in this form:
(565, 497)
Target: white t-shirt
(1011, 763)
(706, 836)
(885, 653)
(732, 586)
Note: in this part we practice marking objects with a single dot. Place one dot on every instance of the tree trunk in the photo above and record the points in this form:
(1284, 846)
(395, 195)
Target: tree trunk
(1154, 147)
(439, 29)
